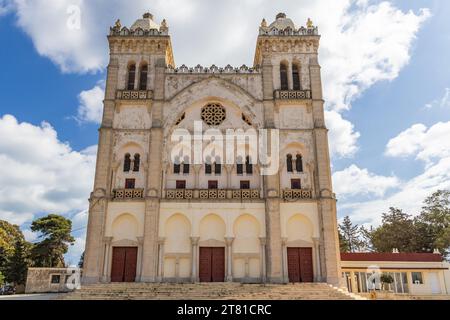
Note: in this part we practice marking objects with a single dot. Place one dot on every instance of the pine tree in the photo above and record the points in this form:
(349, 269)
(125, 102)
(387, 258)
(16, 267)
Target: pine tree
(17, 264)
(350, 235)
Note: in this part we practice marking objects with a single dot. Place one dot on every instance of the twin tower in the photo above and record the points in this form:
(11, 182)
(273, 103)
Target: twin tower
(156, 217)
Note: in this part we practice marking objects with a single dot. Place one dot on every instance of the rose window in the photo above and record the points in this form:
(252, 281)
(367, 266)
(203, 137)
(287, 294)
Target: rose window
(213, 114)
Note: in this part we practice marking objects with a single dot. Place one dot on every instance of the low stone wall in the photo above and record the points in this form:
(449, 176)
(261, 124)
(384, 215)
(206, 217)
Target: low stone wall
(49, 280)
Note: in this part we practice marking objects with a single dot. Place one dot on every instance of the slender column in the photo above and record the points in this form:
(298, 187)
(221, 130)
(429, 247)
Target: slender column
(318, 273)
(139, 262)
(197, 168)
(161, 259)
(263, 242)
(229, 169)
(107, 242)
(194, 242)
(229, 242)
(285, 262)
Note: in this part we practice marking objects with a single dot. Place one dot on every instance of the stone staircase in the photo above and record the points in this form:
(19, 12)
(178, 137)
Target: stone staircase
(209, 291)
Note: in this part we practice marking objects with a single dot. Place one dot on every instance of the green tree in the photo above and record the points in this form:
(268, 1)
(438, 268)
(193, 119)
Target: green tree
(434, 223)
(343, 244)
(56, 232)
(2, 279)
(18, 263)
(396, 231)
(9, 235)
(350, 235)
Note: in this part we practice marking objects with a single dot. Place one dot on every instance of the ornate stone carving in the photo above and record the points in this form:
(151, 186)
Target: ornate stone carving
(213, 114)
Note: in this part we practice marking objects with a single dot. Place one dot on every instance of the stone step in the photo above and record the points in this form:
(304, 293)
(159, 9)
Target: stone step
(206, 291)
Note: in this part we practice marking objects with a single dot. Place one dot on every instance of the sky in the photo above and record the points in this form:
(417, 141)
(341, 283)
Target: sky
(385, 75)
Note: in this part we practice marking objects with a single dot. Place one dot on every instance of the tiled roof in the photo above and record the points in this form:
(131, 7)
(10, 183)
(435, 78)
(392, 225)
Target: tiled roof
(403, 256)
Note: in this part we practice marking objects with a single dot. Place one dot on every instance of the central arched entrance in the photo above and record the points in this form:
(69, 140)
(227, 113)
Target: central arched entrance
(212, 249)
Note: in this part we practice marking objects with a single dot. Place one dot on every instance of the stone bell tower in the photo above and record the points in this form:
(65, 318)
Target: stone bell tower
(139, 57)
(288, 57)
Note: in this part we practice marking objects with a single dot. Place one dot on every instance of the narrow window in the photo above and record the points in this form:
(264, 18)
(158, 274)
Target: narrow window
(284, 77)
(248, 166)
(127, 163)
(131, 76)
(289, 165)
(181, 184)
(417, 277)
(296, 77)
(177, 166)
(212, 184)
(296, 184)
(130, 183)
(208, 166)
(186, 168)
(218, 168)
(137, 162)
(299, 163)
(239, 166)
(245, 185)
(143, 78)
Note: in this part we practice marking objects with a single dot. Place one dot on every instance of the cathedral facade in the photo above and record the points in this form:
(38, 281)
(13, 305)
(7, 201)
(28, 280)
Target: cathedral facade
(157, 215)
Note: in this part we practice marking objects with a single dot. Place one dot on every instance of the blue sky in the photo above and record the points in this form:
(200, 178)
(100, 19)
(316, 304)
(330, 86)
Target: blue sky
(385, 67)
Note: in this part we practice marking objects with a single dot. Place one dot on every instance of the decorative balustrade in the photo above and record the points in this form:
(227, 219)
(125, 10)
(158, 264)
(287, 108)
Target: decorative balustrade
(213, 194)
(213, 69)
(127, 194)
(294, 194)
(292, 94)
(310, 31)
(134, 94)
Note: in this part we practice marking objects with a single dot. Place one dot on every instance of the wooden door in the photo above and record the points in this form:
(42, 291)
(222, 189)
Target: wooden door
(212, 265)
(205, 271)
(293, 265)
(306, 265)
(124, 262)
(300, 265)
(218, 265)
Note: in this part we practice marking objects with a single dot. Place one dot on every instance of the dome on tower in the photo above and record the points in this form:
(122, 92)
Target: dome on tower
(146, 23)
(281, 22)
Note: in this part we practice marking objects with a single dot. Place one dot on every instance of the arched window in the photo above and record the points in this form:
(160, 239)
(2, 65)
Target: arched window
(143, 77)
(289, 165)
(218, 167)
(208, 166)
(137, 162)
(299, 163)
(186, 165)
(296, 77)
(177, 166)
(239, 166)
(248, 165)
(284, 76)
(127, 163)
(131, 76)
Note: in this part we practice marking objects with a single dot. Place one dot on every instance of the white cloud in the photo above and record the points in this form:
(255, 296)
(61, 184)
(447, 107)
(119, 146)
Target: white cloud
(424, 143)
(343, 138)
(30, 235)
(355, 181)
(363, 42)
(91, 105)
(443, 102)
(430, 145)
(39, 173)
(73, 255)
